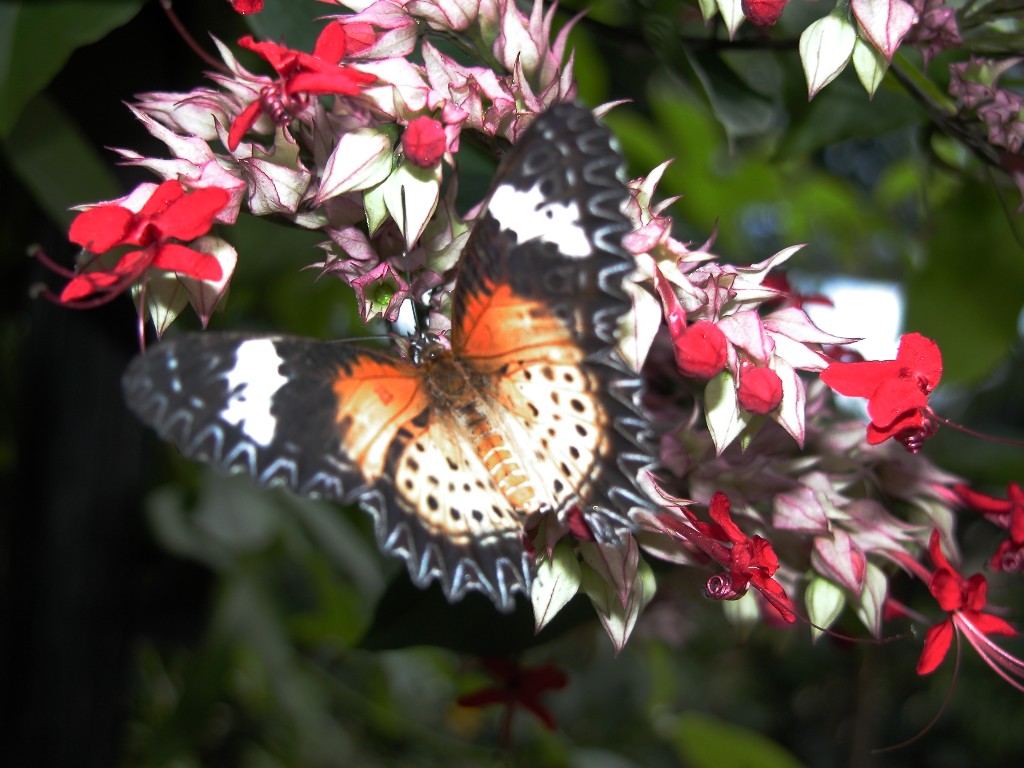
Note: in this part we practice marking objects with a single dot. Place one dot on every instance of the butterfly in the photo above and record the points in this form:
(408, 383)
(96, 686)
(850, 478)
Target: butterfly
(459, 452)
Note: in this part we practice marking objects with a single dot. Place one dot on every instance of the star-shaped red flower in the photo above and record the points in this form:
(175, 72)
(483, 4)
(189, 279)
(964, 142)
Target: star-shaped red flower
(299, 75)
(964, 600)
(169, 214)
(748, 560)
(517, 687)
(897, 390)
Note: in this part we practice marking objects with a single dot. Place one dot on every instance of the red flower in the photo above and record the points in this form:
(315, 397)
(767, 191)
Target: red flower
(1007, 513)
(763, 13)
(897, 390)
(169, 213)
(300, 74)
(424, 142)
(964, 600)
(760, 389)
(517, 687)
(748, 561)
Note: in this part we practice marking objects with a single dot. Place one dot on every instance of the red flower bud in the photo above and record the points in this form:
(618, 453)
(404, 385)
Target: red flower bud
(700, 350)
(760, 390)
(424, 142)
(763, 13)
(245, 7)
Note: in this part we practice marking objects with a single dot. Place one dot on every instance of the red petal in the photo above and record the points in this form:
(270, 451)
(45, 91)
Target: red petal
(344, 81)
(546, 678)
(177, 258)
(330, 45)
(192, 215)
(947, 589)
(720, 513)
(936, 553)
(775, 595)
(989, 624)
(122, 274)
(1016, 496)
(976, 592)
(764, 555)
(921, 355)
(101, 228)
(894, 398)
(280, 58)
(243, 123)
(162, 199)
(859, 379)
(86, 285)
(936, 645)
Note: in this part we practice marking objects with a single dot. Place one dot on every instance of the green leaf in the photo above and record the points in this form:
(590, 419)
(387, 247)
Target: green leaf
(289, 22)
(38, 38)
(967, 295)
(705, 742)
(56, 162)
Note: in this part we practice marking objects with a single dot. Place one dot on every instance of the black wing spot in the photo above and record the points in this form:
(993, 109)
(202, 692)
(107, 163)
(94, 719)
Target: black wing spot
(478, 515)
(432, 503)
(577, 405)
(581, 430)
(574, 451)
(451, 463)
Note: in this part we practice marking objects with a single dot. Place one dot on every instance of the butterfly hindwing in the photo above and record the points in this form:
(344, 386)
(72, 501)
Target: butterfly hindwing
(337, 421)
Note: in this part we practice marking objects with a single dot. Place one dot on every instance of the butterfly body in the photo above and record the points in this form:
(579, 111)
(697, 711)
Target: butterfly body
(458, 450)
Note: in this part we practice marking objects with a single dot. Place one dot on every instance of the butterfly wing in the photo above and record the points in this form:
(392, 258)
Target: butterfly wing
(537, 306)
(341, 422)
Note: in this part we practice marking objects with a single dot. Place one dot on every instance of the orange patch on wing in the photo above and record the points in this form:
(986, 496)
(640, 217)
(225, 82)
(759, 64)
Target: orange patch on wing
(498, 325)
(374, 400)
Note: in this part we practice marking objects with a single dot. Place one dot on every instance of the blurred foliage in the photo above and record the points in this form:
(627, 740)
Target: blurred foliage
(266, 631)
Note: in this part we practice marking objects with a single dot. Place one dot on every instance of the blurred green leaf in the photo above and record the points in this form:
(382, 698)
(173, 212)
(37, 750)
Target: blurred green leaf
(289, 22)
(706, 742)
(967, 294)
(54, 160)
(37, 38)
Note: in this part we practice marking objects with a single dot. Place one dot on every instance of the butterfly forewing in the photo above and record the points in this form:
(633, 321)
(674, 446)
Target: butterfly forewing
(529, 413)
(539, 293)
